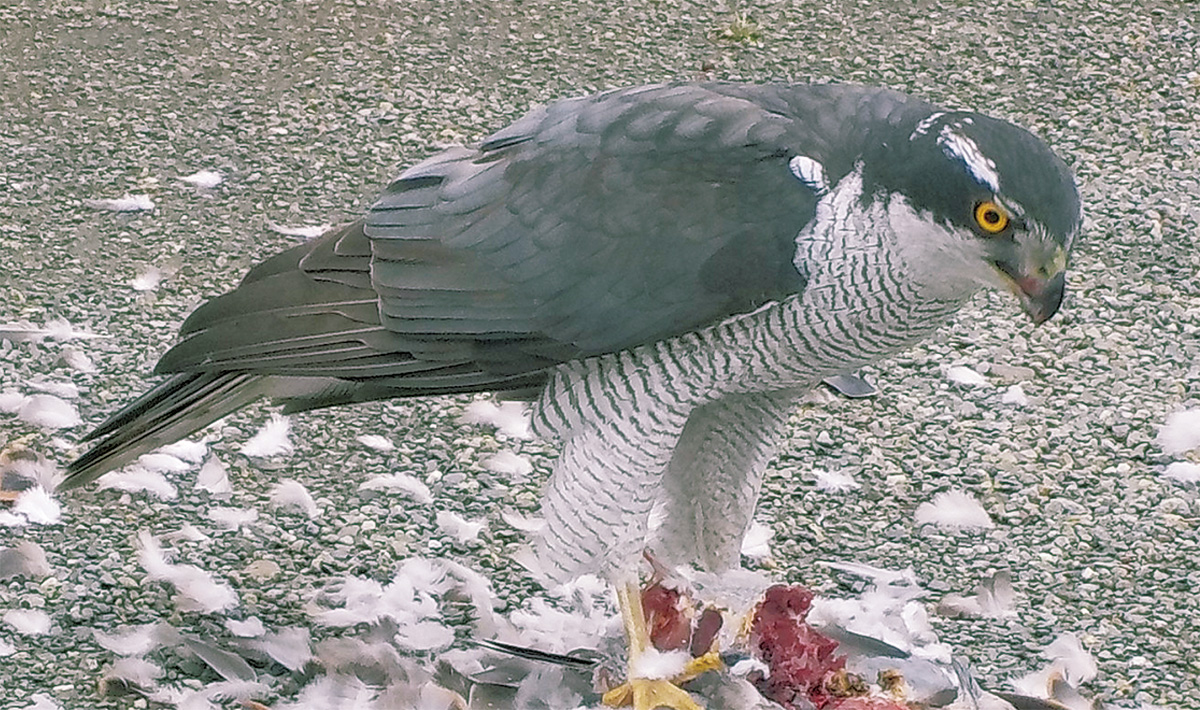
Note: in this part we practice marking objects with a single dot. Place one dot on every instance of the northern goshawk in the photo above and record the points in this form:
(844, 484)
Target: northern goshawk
(666, 269)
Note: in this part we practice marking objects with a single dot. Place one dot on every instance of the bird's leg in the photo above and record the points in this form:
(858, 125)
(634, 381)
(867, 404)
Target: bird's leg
(650, 693)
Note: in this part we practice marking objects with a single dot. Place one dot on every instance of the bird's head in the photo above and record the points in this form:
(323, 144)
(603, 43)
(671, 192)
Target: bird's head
(1007, 206)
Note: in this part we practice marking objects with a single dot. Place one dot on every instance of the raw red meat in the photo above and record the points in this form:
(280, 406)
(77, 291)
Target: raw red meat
(801, 660)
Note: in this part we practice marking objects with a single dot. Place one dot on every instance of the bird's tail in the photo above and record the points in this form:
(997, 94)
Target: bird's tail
(174, 409)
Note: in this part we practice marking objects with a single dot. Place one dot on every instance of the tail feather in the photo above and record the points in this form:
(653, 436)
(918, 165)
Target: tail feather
(174, 409)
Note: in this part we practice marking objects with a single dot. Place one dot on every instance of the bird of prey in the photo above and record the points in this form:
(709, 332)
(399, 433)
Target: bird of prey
(664, 269)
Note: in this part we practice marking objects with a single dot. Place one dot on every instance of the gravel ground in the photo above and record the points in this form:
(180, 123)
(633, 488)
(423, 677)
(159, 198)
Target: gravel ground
(308, 108)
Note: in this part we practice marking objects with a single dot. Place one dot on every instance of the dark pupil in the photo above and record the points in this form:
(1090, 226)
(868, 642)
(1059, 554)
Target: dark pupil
(991, 217)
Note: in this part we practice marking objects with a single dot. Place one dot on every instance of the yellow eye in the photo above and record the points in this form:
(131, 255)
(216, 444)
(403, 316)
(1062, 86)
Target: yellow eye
(991, 217)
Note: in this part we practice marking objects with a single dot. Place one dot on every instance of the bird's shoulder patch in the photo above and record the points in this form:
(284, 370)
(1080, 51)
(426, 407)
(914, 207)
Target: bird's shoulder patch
(810, 172)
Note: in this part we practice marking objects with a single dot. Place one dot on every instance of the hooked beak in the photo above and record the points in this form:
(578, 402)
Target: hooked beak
(1034, 270)
(1038, 281)
(1039, 297)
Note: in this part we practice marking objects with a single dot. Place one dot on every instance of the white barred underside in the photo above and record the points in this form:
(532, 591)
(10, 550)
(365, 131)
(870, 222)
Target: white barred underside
(622, 417)
(710, 488)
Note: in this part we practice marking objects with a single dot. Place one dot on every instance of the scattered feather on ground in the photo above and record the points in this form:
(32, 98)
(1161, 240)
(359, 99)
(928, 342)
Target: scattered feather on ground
(128, 203)
(18, 461)
(187, 533)
(137, 672)
(891, 610)
(290, 493)
(336, 692)
(251, 627)
(204, 179)
(306, 232)
(66, 390)
(424, 636)
(1077, 664)
(414, 488)
(1070, 665)
(186, 450)
(508, 463)
(21, 332)
(137, 479)
(376, 442)
(148, 279)
(28, 622)
(953, 510)
(509, 418)
(578, 614)
(196, 589)
(1015, 395)
(49, 412)
(1183, 472)
(839, 481)
(11, 401)
(37, 506)
(459, 527)
(239, 692)
(24, 559)
(162, 462)
(271, 439)
(77, 360)
(58, 329)
(290, 647)
(1180, 433)
(61, 330)
(993, 599)
(214, 477)
(396, 637)
(963, 375)
(129, 640)
(42, 701)
(228, 518)
(409, 601)
(521, 522)
(757, 543)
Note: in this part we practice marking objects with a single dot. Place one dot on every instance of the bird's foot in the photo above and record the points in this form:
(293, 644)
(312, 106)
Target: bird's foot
(650, 693)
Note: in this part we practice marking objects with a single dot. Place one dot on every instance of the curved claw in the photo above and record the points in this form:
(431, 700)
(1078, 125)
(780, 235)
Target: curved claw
(663, 693)
(650, 693)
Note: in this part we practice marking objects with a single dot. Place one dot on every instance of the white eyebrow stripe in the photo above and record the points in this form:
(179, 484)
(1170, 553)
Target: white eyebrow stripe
(1014, 209)
(956, 145)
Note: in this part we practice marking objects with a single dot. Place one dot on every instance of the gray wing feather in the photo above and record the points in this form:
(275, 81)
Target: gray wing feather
(588, 226)
(610, 220)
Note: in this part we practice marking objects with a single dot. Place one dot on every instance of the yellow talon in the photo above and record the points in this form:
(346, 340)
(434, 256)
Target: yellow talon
(698, 666)
(663, 693)
(650, 693)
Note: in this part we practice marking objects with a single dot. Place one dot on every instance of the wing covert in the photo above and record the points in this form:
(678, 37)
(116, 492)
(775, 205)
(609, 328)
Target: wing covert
(599, 223)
